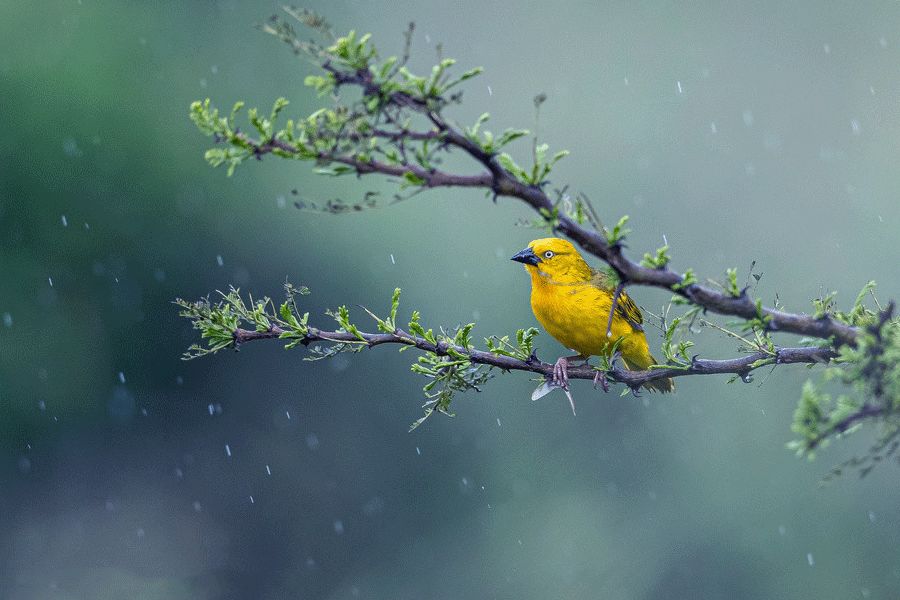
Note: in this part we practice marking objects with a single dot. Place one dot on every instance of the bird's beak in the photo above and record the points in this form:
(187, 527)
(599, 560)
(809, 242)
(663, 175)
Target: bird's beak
(526, 256)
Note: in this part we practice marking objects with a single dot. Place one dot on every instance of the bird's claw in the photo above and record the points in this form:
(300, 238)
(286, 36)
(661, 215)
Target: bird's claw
(600, 377)
(561, 373)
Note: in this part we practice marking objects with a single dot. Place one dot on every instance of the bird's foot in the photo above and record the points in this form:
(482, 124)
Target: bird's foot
(561, 373)
(600, 378)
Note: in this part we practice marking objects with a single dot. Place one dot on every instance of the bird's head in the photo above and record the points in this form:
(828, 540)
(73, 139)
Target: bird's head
(554, 258)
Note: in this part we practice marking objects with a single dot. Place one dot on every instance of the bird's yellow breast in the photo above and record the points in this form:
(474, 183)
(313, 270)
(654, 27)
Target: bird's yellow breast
(576, 314)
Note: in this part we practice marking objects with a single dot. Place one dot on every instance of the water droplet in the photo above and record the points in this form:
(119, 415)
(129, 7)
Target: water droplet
(228, 450)
(418, 451)
(374, 506)
(50, 279)
(339, 527)
(810, 559)
(712, 127)
(121, 377)
(679, 87)
(70, 148)
(24, 465)
(65, 221)
(490, 91)
(393, 262)
(498, 422)
(747, 377)
(287, 413)
(252, 501)
(268, 470)
(219, 260)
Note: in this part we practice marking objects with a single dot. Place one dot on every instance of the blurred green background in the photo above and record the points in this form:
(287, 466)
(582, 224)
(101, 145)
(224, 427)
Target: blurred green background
(741, 132)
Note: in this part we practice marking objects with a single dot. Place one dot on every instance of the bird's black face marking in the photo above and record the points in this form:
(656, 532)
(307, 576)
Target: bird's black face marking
(527, 257)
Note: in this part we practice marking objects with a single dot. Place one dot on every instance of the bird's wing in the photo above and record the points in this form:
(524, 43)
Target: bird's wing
(625, 307)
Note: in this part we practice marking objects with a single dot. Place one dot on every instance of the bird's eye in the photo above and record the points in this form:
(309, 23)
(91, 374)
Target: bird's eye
(548, 254)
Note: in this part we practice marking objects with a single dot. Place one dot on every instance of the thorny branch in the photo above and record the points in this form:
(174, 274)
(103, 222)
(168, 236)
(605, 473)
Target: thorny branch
(633, 379)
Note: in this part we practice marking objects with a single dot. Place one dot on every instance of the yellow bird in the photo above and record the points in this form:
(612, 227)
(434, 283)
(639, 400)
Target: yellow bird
(572, 302)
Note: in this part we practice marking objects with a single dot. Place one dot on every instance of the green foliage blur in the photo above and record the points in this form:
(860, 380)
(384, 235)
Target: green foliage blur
(733, 134)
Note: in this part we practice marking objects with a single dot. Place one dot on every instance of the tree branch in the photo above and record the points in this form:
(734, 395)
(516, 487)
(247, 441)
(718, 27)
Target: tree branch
(737, 366)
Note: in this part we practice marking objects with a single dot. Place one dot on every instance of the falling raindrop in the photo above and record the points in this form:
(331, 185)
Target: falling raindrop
(65, 221)
(50, 279)
(287, 413)
(810, 559)
(418, 451)
(219, 260)
(498, 422)
(393, 262)
(679, 87)
(268, 470)
(228, 450)
(712, 127)
(339, 527)
(252, 501)
(121, 377)
(490, 91)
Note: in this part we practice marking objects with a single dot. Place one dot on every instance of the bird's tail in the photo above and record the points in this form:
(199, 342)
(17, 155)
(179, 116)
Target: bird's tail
(641, 363)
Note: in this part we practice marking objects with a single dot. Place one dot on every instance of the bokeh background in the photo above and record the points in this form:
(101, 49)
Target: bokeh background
(741, 132)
